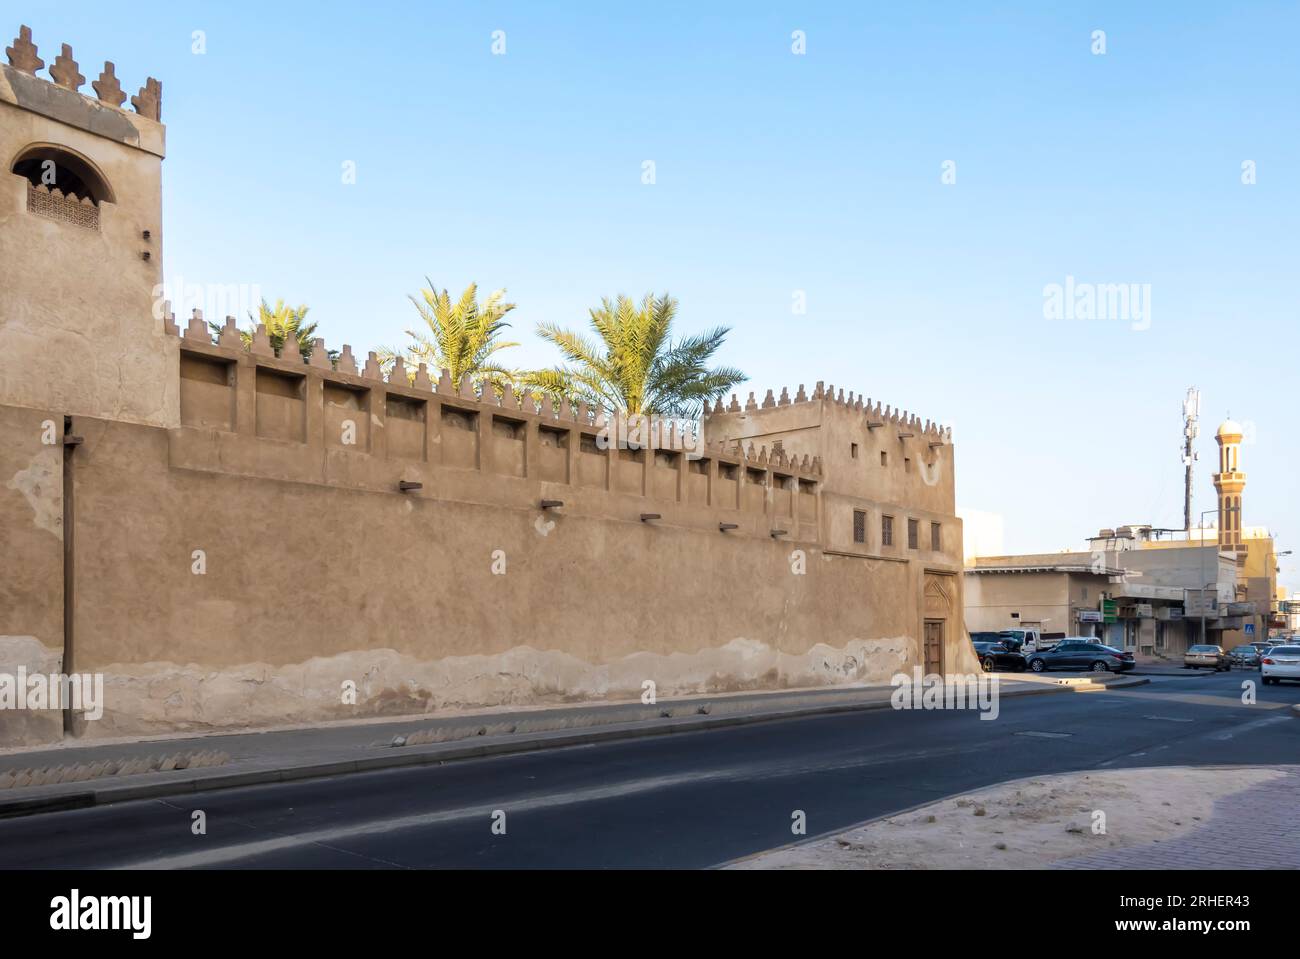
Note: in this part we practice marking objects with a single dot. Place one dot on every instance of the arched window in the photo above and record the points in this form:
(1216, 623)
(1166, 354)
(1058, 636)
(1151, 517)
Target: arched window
(52, 167)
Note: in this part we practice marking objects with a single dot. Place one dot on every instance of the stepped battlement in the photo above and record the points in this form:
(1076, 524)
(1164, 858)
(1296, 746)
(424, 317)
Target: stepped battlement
(65, 72)
(873, 415)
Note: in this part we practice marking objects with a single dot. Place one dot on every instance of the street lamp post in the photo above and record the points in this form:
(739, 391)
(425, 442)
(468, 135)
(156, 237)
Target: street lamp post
(1272, 599)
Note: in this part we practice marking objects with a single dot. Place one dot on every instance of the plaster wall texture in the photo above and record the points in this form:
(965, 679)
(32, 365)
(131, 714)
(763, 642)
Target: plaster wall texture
(28, 727)
(31, 563)
(308, 585)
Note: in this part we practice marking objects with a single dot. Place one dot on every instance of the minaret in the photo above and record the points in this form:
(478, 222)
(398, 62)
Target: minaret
(1229, 481)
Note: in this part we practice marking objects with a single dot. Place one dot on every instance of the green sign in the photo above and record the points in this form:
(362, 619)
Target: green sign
(1109, 609)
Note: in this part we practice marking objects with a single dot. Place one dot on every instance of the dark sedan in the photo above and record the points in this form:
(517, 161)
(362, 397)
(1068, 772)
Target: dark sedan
(998, 656)
(1082, 654)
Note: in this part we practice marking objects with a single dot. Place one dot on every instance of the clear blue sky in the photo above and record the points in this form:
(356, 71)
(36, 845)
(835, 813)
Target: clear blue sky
(778, 173)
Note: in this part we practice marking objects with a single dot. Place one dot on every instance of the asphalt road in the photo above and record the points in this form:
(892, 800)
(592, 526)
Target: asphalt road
(689, 800)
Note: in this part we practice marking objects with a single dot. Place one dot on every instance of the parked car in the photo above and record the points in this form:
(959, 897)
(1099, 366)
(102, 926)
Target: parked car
(1261, 646)
(1279, 663)
(1206, 657)
(1244, 657)
(1082, 653)
(998, 656)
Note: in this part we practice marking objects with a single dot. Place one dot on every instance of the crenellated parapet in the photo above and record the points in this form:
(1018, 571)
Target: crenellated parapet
(249, 408)
(659, 432)
(65, 72)
(873, 415)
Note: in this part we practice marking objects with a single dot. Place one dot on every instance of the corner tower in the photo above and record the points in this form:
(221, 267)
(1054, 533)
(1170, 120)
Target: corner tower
(1229, 481)
(81, 243)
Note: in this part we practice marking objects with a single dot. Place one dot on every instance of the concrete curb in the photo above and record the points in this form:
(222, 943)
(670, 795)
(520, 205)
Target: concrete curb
(438, 753)
(1129, 683)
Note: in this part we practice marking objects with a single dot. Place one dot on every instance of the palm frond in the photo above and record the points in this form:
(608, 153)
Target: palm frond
(632, 364)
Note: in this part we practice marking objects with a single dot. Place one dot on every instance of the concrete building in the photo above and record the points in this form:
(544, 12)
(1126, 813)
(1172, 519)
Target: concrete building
(1148, 602)
(1246, 607)
(236, 537)
(1154, 591)
(1059, 594)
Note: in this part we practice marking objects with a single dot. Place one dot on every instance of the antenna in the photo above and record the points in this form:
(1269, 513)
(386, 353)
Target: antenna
(1191, 430)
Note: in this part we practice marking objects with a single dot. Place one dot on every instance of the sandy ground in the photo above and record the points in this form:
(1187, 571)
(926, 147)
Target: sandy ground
(1028, 823)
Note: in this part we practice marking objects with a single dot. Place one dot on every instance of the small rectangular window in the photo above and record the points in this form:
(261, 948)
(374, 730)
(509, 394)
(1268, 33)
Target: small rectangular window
(907, 464)
(859, 526)
(853, 450)
(936, 537)
(913, 533)
(886, 531)
(884, 458)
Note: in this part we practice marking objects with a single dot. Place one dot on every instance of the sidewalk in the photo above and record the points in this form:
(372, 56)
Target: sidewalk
(1163, 817)
(1252, 829)
(84, 773)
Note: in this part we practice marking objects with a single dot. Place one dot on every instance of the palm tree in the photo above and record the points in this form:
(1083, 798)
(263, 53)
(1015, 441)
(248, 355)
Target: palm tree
(462, 337)
(635, 367)
(281, 321)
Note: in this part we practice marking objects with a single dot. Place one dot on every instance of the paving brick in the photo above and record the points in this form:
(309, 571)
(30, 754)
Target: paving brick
(1254, 829)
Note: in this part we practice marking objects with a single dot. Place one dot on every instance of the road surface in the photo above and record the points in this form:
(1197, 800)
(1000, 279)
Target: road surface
(691, 800)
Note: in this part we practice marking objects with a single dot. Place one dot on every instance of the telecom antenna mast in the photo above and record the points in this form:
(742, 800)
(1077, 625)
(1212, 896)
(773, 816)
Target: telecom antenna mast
(1191, 429)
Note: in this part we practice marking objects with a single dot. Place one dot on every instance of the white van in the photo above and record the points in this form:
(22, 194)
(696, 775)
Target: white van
(1020, 640)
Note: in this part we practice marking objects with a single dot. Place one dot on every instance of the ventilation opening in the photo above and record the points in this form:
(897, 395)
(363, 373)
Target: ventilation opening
(53, 169)
(553, 438)
(508, 429)
(459, 419)
(666, 459)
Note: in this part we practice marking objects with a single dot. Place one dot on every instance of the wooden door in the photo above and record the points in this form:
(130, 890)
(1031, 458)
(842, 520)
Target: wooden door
(934, 647)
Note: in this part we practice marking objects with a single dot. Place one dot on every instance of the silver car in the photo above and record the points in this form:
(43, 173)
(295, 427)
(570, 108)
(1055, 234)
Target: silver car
(1244, 657)
(1202, 657)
